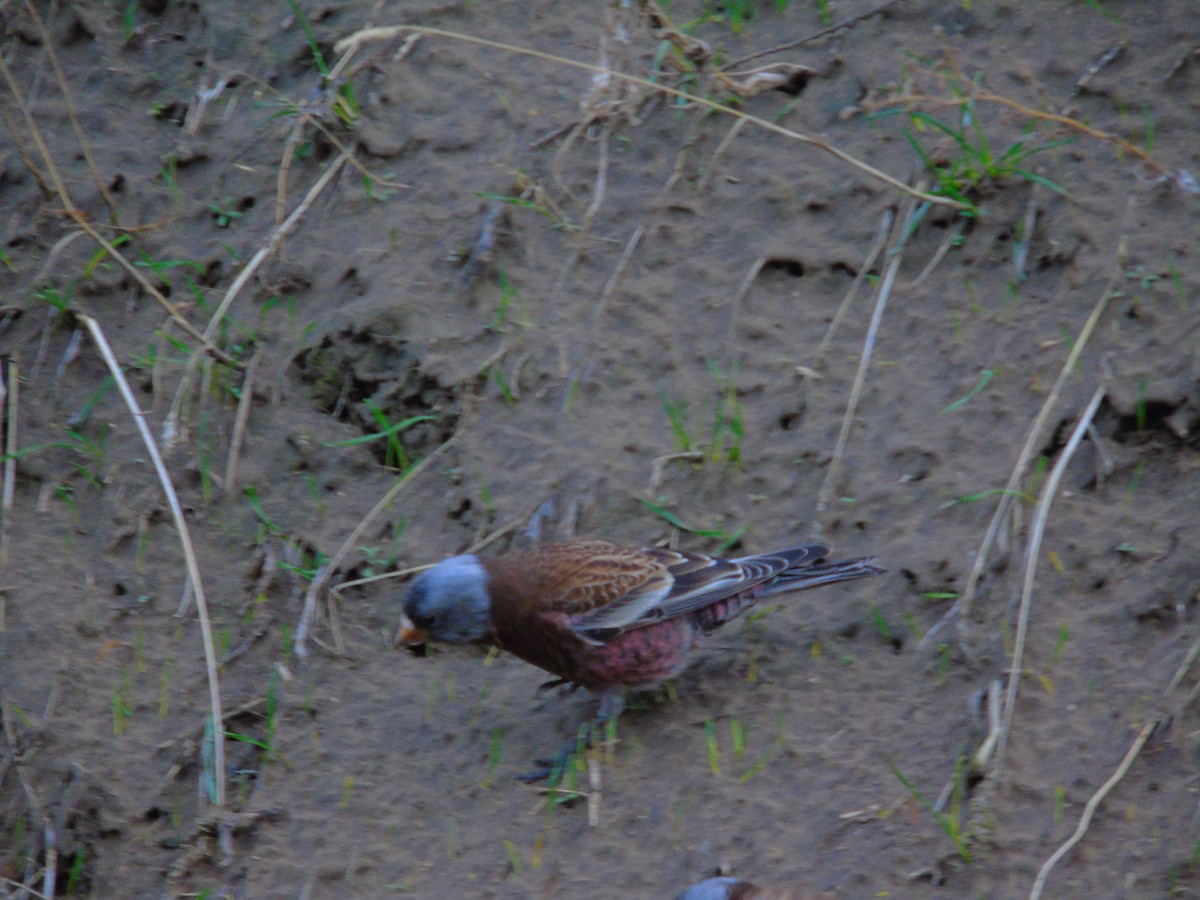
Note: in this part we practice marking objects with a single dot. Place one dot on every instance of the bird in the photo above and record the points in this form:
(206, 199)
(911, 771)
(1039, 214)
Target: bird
(602, 616)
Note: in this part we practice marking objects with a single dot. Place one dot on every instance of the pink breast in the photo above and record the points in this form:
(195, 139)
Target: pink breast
(642, 657)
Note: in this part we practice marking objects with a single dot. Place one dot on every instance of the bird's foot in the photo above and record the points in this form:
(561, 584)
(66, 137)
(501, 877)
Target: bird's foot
(553, 769)
(571, 686)
(556, 769)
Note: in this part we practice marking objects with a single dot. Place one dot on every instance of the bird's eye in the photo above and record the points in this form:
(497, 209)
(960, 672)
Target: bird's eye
(424, 621)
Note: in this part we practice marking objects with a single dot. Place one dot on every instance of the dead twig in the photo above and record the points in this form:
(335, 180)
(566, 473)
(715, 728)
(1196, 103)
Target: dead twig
(170, 429)
(51, 262)
(39, 176)
(702, 183)
(1094, 69)
(36, 808)
(1033, 551)
(74, 213)
(581, 372)
(658, 469)
(1188, 659)
(189, 554)
(748, 280)
(1031, 112)
(864, 364)
(1085, 820)
(601, 178)
(367, 35)
(943, 248)
(239, 424)
(36, 134)
(72, 113)
(299, 645)
(962, 606)
(8, 398)
(885, 227)
(848, 22)
(593, 797)
(1021, 257)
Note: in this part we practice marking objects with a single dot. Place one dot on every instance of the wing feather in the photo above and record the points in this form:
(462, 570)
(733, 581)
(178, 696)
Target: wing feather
(604, 589)
(694, 581)
(594, 583)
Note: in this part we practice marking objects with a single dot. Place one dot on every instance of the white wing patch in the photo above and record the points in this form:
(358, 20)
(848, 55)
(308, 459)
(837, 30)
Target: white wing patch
(644, 603)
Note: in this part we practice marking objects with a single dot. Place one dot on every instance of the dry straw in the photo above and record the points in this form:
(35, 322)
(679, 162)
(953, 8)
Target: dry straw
(348, 45)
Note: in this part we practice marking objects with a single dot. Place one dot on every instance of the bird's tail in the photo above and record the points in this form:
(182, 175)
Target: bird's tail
(805, 576)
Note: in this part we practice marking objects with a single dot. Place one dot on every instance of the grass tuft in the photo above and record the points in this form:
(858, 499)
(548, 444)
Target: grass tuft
(951, 822)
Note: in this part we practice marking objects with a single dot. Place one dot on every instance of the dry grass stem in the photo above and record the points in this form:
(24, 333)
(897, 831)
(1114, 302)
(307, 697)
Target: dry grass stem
(1191, 696)
(860, 377)
(751, 83)
(300, 639)
(170, 428)
(601, 178)
(995, 724)
(9, 392)
(943, 248)
(715, 159)
(189, 553)
(885, 228)
(26, 156)
(50, 843)
(280, 232)
(27, 114)
(1188, 659)
(748, 280)
(82, 222)
(239, 424)
(593, 797)
(344, 586)
(658, 470)
(36, 808)
(1021, 257)
(611, 285)
(848, 22)
(51, 262)
(581, 372)
(962, 607)
(367, 35)
(72, 113)
(491, 538)
(1033, 551)
(210, 348)
(194, 117)
(314, 589)
(69, 355)
(1029, 111)
(483, 250)
(1085, 820)
(1099, 65)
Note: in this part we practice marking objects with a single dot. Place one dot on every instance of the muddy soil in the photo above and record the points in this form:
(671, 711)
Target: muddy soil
(621, 309)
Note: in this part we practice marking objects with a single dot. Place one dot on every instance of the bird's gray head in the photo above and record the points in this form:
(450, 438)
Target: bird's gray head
(448, 602)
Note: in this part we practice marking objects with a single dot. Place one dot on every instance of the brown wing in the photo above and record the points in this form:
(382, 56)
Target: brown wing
(604, 589)
(700, 580)
(585, 578)
(694, 581)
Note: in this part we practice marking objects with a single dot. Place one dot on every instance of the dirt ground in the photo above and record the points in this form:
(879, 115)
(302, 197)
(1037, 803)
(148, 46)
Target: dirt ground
(610, 312)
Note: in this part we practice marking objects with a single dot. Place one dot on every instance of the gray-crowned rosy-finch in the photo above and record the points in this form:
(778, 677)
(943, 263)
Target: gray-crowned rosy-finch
(601, 616)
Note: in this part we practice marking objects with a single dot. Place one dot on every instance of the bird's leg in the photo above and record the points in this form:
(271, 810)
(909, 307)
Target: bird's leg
(554, 768)
(612, 701)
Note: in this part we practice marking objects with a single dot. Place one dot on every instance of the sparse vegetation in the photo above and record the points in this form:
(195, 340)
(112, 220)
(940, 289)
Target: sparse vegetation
(278, 240)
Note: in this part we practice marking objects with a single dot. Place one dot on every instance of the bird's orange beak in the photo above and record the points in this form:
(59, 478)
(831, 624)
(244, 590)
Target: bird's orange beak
(409, 634)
